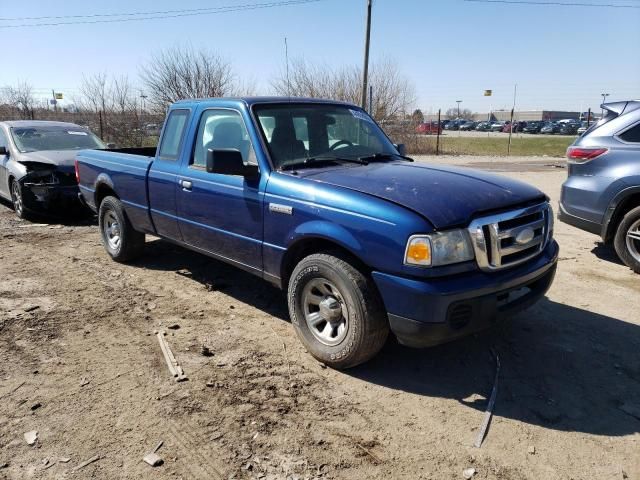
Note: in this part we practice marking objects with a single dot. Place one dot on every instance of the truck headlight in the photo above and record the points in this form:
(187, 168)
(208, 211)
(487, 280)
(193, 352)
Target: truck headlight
(440, 248)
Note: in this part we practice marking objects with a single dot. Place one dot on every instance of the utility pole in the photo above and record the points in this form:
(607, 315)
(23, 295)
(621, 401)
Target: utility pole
(55, 102)
(143, 104)
(365, 71)
(604, 99)
(515, 90)
(458, 102)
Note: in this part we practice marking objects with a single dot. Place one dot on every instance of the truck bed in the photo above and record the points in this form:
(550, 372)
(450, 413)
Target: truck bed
(126, 172)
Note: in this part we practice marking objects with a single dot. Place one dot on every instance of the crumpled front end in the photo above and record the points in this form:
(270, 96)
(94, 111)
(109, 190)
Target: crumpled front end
(48, 188)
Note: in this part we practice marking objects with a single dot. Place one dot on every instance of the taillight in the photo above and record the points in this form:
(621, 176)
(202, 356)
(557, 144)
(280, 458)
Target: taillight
(582, 154)
(77, 172)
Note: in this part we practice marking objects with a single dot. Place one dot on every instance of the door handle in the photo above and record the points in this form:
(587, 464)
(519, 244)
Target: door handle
(186, 185)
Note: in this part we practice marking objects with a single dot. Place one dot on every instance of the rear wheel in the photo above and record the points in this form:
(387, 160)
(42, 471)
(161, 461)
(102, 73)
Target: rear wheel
(120, 240)
(336, 311)
(627, 240)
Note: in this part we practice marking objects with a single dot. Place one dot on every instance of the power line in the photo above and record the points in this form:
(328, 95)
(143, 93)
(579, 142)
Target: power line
(158, 15)
(563, 4)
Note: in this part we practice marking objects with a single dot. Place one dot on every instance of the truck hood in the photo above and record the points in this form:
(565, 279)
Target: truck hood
(446, 196)
(58, 158)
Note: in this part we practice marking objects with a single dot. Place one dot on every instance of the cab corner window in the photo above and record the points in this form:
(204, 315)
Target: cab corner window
(172, 135)
(222, 129)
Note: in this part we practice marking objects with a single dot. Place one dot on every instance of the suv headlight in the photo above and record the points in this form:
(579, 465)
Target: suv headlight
(440, 248)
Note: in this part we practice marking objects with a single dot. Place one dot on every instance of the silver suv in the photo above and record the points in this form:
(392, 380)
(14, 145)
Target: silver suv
(602, 193)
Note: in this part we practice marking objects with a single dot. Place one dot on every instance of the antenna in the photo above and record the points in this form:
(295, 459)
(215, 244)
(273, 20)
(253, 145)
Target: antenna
(286, 59)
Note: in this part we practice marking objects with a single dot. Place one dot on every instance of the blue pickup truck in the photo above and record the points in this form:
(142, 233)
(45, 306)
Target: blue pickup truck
(313, 197)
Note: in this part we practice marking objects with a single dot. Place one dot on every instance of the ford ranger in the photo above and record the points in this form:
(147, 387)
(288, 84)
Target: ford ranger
(313, 197)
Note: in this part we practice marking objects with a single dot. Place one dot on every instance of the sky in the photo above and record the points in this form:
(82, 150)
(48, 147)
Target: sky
(560, 57)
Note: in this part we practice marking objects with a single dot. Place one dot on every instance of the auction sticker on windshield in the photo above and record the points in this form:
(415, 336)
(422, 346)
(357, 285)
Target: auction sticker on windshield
(361, 115)
(70, 132)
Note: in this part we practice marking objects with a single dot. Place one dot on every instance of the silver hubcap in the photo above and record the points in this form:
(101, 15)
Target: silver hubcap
(17, 197)
(112, 230)
(633, 240)
(325, 312)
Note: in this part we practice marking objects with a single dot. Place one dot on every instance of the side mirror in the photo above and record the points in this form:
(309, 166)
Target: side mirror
(228, 161)
(3, 151)
(111, 145)
(402, 149)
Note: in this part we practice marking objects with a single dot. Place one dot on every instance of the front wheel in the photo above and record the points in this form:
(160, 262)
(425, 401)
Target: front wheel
(627, 240)
(120, 240)
(336, 311)
(17, 199)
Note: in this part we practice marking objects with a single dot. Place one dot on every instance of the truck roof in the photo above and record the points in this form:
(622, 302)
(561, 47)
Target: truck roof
(249, 101)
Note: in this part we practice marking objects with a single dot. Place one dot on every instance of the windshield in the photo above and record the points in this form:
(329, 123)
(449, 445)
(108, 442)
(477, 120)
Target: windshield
(35, 139)
(295, 132)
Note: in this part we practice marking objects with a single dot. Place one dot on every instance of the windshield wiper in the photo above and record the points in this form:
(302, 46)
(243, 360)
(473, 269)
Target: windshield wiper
(320, 161)
(384, 156)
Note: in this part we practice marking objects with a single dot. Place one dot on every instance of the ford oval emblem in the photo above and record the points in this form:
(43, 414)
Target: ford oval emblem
(525, 236)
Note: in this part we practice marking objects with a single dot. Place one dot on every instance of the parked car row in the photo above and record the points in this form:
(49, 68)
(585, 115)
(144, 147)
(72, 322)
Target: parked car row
(563, 127)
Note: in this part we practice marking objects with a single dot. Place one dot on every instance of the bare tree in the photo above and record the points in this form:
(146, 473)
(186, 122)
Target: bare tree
(182, 72)
(20, 98)
(452, 113)
(393, 94)
(94, 90)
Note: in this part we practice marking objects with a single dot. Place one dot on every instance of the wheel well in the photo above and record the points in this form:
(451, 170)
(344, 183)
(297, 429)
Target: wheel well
(102, 191)
(304, 248)
(629, 203)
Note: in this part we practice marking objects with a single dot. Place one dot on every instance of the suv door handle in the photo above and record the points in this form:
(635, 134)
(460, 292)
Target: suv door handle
(186, 185)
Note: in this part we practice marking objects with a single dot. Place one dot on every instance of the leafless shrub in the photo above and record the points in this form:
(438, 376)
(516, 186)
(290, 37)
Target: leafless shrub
(393, 93)
(182, 72)
(19, 99)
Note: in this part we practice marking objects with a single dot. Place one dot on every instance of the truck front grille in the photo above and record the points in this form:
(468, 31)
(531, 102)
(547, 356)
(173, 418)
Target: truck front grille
(510, 238)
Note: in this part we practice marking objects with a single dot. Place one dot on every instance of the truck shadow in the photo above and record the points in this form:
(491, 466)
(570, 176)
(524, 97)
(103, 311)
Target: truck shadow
(562, 367)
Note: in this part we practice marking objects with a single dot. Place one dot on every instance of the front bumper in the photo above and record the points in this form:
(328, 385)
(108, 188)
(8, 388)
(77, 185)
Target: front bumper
(50, 198)
(424, 313)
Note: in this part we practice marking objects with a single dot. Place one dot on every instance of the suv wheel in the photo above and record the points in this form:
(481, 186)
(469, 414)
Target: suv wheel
(627, 240)
(336, 311)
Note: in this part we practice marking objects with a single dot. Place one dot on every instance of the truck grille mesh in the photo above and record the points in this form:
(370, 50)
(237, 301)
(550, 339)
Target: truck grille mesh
(508, 239)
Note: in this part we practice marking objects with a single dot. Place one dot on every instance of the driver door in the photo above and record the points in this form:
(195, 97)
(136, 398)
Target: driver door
(220, 213)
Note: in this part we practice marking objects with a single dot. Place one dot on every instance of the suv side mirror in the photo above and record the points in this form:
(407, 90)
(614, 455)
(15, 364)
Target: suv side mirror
(111, 146)
(3, 151)
(402, 149)
(228, 161)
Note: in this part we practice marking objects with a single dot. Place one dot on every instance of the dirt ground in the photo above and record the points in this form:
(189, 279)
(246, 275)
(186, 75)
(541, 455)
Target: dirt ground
(79, 363)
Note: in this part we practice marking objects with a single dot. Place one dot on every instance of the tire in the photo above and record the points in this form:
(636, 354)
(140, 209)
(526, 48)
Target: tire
(120, 240)
(627, 240)
(17, 200)
(336, 311)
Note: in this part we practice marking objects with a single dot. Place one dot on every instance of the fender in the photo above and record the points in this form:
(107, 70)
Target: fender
(619, 198)
(327, 231)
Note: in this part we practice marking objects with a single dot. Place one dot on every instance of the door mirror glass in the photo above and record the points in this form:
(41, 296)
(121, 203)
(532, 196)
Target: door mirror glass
(3, 151)
(402, 149)
(228, 161)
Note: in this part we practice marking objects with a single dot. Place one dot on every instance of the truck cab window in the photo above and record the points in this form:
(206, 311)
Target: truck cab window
(222, 129)
(172, 135)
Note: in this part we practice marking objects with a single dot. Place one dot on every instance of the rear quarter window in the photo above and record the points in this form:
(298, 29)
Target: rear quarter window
(173, 134)
(631, 135)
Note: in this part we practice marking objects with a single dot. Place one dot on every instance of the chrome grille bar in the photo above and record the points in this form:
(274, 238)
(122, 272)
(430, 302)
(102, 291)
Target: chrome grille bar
(511, 238)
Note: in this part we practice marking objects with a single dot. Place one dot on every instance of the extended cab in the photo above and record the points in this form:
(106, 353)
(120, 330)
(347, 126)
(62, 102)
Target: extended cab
(313, 197)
